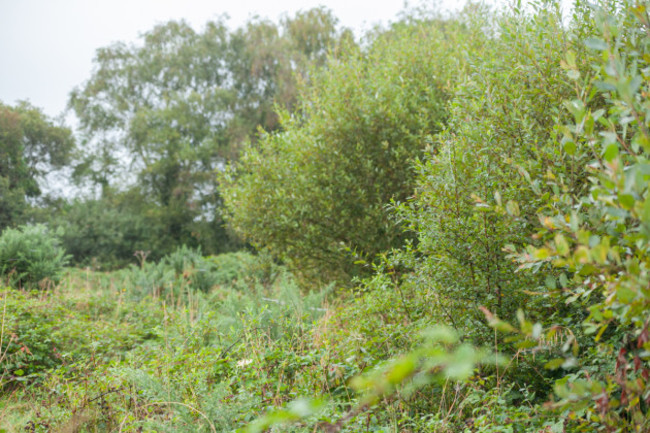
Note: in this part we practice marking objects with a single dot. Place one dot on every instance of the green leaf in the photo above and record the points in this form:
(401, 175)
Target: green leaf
(442, 334)
(573, 74)
(512, 208)
(497, 197)
(537, 330)
(569, 147)
(571, 59)
(502, 326)
(596, 44)
(645, 212)
(526, 344)
(561, 244)
(402, 369)
(564, 281)
(627, 201)
(549, 282)
(611, 152)
(554, 364)
(542, 253)
(581, 255)
(625, 294)
(462, 364)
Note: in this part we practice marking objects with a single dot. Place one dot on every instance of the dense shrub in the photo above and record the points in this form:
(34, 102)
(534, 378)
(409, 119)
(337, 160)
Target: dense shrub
(106, 232)
(562, 163)
(479, 188)
(28, 348)
(600, 240)
(315, 193)
(100, 233)
(56, 329)
(182, 271)
(479, 191)
(31, 255)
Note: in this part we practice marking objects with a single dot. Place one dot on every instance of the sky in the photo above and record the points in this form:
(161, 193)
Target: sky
(47, 46)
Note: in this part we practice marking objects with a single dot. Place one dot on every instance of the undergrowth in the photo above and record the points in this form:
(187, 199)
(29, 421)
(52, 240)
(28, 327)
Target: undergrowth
(114, 352)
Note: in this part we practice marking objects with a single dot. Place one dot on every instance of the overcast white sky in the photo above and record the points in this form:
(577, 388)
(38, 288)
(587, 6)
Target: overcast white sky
(47, 46)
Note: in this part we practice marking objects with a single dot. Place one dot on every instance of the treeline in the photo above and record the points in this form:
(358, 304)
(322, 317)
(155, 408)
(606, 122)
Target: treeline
(157, 121)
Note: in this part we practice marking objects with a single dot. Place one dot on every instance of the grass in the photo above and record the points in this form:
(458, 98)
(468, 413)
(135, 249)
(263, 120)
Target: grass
(145, 349)
(98, 353)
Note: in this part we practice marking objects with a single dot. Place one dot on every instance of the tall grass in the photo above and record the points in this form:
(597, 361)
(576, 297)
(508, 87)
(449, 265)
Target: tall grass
(154, 347)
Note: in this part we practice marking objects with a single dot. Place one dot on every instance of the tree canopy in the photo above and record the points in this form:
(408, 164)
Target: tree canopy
(31, 145)
(162, 117)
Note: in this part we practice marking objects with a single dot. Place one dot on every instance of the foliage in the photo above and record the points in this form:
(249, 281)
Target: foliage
(210, 360)
(100, 233)
(478, 197)
(185, 271)
(513, 146)
(31, 145)
(600, 239)
(478, 189)
(315, 193)
(270, 61)
(31, 256)
(40, 333)
(434, 360)
(180, 104)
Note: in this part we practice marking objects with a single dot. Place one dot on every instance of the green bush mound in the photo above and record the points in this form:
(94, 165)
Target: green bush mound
(315, 194)
(186, 271)
(31, 256)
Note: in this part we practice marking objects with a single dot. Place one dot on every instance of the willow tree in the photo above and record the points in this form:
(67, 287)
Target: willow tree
(316, 192)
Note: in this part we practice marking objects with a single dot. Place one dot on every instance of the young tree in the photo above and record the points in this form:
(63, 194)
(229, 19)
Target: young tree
(315, 193)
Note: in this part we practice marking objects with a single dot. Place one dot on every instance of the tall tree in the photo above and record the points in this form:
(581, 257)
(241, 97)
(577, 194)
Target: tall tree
(181, 104)
(31, 145)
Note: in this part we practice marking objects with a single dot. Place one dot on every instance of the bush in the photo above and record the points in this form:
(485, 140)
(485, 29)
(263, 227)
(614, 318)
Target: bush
(30, 348)
(600, 239)
(104, 232)
(42, 331)
(315, 194)
(186, 270)
(31, 255)
(182, 270)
